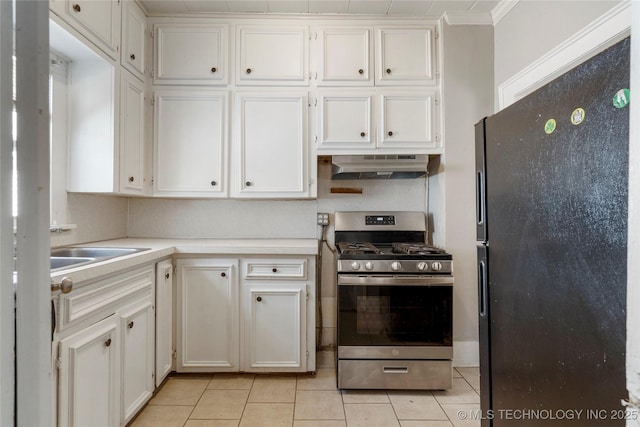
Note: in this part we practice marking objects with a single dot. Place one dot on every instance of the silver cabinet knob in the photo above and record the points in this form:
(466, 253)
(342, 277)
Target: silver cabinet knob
(65, 285)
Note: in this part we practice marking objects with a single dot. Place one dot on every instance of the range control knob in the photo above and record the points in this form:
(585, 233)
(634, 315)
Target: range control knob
(395, 266)
(369, 265)
(423, 266)
(436, 266)
(355, 265)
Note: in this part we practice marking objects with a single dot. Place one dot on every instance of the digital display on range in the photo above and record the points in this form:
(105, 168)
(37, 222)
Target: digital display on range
(380, 220)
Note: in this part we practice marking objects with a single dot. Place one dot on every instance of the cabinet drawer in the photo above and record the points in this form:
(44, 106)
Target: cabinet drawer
(276, 268)
(100, 299)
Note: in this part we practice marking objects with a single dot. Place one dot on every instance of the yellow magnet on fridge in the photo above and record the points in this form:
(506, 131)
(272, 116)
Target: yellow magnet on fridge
(577, 116)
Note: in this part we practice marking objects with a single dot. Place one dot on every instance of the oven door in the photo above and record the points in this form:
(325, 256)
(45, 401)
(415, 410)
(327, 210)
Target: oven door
(395, 316)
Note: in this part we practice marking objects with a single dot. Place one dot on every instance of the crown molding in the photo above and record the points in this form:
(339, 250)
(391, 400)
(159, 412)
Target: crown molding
(468, 18)
(502, 9)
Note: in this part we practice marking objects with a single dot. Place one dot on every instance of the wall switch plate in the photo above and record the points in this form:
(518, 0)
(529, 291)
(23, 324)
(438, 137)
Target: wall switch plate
(323, 219)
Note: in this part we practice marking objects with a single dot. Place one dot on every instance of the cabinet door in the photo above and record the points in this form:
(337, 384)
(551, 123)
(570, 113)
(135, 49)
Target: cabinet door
(345, 57)
(89, 376)
(164, 320)
(346, 121)
(271, 144)
(272, 56)
(407, 120)
(191, 54)
(190, 143)
(207, 315)
(131, 135)
(97, 20)
(275, 327)
(137, 326)
(405, 56)
(133, 37)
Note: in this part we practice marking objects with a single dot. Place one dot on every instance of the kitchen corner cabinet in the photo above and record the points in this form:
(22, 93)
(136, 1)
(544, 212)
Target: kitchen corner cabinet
(97, 20)
(164, 320)
(272, 156)
(207, 323)
(132, 135)
(133, 39)
(190, 143)
(138, 340)
(377, 121)
(406, 55)
(272, 56)
(345, 57)
(191, 54)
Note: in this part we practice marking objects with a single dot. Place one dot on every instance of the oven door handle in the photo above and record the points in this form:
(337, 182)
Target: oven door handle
(394, 280)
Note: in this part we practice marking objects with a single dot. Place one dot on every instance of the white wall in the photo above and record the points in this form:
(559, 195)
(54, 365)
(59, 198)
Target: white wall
(468, 97)
(533, 28)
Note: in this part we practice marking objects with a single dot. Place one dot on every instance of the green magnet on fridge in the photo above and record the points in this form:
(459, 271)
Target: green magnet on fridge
(621, 98)
(550, 126)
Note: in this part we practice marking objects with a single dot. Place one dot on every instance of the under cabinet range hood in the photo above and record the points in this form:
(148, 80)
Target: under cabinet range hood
(379, 166)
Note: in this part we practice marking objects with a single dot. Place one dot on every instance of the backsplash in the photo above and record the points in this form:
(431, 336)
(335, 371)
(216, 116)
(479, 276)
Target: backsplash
(97, 218)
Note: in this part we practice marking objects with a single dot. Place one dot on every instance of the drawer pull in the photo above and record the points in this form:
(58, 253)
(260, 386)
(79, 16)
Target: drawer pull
(65, 285)
(275, 270)
(395, 369)
(130, 325)
(107, 343)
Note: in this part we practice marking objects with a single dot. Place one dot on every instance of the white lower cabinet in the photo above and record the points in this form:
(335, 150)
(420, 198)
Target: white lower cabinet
(105, 357)
(259, 322)
(207, 332)
(89, 376)
(274, 327)
(164, 320)
(137, 326)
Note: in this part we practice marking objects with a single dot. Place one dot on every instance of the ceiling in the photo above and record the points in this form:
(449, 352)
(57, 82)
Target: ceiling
(461, 11)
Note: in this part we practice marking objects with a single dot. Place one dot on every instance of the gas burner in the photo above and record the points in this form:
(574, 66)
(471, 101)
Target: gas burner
(415, 249)
(357, 248)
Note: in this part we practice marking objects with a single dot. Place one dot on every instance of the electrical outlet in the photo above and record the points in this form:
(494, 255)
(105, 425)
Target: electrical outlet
(323, 219)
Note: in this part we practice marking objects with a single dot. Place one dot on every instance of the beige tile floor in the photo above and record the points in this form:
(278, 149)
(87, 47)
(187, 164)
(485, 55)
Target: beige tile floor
(304, 400)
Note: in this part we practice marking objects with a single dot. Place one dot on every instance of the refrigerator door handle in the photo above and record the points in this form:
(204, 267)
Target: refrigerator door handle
(482, 282)
(480, 213)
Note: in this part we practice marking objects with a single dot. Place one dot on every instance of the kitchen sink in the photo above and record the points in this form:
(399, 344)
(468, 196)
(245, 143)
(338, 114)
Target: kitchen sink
(69, 261)
(94, 252)
(73, 256)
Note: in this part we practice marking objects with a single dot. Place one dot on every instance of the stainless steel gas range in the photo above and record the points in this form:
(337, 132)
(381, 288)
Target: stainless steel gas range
(395, 297)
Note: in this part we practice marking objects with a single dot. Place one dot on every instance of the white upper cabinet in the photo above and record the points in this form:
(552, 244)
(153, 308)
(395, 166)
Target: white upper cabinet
(407, 120)
(272, 55)
(191, 54)
(345, 120)
(271, 145)
(382, 120)
(190, 143)
(405, 55)
(345, 57)
(132, 147)
(133, 36)
(97, 20)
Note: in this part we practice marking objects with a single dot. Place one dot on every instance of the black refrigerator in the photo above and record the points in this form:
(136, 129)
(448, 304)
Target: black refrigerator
(551, 173)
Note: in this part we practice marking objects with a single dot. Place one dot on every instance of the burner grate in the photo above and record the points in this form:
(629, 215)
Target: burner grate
(415, 249)
(357, 248)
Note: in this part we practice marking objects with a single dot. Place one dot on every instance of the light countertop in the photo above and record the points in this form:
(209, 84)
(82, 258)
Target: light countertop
(163, 248)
